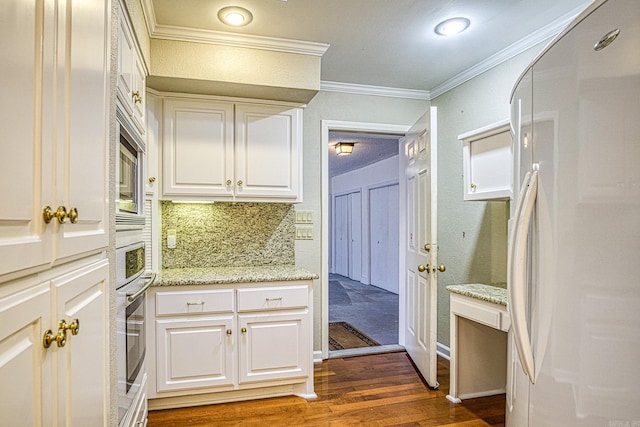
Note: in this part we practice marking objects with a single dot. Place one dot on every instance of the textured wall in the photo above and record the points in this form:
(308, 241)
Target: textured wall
(472, 235)
(228, 234)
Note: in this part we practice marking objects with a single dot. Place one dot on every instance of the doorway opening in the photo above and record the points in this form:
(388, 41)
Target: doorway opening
(361, 254)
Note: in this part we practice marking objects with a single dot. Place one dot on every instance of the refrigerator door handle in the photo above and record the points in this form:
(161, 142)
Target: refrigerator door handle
(517, 264)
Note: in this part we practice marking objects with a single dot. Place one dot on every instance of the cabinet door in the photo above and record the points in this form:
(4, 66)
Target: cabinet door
(126, 49)
(268, 151)
(274, 346)
(195, 352)
(83, 380)
(25, 161)
(82, 104)
(197, 148)
(487, 162)
(25, 365)
(139, 78)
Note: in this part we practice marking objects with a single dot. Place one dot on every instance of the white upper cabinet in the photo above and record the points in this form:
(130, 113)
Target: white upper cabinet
(268, 151)
(197, 148)
(55, 132)
(219, 150)
(131, 74)
(487, 162)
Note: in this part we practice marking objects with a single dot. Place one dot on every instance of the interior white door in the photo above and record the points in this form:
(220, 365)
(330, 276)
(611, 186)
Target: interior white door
(383, 214)
(341, 236)
(421, 274)
(355, 236)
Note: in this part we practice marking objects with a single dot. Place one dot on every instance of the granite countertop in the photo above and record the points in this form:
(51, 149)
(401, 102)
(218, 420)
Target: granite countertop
(496, 293)
(228, 275)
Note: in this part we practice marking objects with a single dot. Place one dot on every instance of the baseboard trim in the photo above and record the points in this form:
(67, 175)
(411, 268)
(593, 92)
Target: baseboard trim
(443, 351)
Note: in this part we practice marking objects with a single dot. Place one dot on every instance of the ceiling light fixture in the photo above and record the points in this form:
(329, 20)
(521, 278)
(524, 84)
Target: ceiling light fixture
(235, 16)
(452, 26)
(344, 148)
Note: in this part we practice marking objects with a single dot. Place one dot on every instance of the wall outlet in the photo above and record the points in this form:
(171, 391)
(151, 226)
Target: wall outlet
(171, 239)
(304, 217)
(304, 233)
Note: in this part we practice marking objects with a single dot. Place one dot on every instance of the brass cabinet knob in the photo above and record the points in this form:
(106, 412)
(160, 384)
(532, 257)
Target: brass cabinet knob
(473, 186)
(60, 338)
(421, 268)
(152, 179)
(441, 268)
(60, 213)
(228, 182)
(427, 247)
(73, 215)
(74, 327)
(240, 183)
(243, 330)
(229, 332)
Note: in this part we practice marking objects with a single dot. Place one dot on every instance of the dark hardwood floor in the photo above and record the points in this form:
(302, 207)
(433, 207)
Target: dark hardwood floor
(374, 390)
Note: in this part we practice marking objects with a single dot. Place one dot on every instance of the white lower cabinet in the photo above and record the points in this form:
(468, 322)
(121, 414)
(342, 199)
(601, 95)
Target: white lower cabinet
(272, 348)
(241, 341)
(65, 383)
(194, 352)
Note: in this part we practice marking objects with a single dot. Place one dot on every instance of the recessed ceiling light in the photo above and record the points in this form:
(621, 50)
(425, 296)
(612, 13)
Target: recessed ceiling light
(452, 26)
(235, 16)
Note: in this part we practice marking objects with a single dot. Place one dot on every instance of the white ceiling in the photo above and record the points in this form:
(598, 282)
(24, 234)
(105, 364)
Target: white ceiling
(386, 43)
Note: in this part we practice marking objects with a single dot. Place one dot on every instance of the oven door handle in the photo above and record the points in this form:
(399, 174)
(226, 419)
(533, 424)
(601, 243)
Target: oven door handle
(133, 297)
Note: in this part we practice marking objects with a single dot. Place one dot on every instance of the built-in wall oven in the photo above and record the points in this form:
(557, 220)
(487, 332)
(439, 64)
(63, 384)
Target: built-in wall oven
(131, 284)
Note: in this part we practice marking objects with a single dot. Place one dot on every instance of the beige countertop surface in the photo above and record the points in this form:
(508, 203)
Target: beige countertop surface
(496, 293)
(230, 275)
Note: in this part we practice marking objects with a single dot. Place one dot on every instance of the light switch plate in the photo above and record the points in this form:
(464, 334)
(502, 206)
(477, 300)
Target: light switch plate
(304, 217)
(304, 233)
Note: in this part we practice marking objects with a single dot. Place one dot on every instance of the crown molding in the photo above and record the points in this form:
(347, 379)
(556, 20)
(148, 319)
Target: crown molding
(149, 15)
(168, 32)
(543, 34)
(374, 90)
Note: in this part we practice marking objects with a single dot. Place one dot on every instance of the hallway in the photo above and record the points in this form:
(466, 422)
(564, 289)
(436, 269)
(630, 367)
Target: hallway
(370, 309)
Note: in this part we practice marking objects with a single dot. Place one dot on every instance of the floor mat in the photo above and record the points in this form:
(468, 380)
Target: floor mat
(342, 336)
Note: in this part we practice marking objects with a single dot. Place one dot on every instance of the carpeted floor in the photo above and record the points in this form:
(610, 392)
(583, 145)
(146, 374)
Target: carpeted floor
(372, 310)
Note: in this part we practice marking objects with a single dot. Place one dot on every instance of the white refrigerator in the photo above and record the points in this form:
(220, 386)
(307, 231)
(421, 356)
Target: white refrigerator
(574, 246)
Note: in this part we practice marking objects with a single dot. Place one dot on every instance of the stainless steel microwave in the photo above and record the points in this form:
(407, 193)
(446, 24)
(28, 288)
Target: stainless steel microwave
(129, 175)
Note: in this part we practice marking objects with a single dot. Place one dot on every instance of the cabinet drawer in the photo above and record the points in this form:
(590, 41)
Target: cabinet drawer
(185, 302)
(272, 298)
(477, 311)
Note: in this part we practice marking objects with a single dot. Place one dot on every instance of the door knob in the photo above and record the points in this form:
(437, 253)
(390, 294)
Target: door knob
(441, 268)
(421, 268)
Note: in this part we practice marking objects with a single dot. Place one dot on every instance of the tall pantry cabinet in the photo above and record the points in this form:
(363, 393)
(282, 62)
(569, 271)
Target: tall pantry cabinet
(54, 213)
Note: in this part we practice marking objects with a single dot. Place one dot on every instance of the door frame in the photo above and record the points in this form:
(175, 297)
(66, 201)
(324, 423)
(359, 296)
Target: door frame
(346, 126)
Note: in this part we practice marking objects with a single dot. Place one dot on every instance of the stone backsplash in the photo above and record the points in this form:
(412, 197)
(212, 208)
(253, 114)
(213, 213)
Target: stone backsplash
(228, 234)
